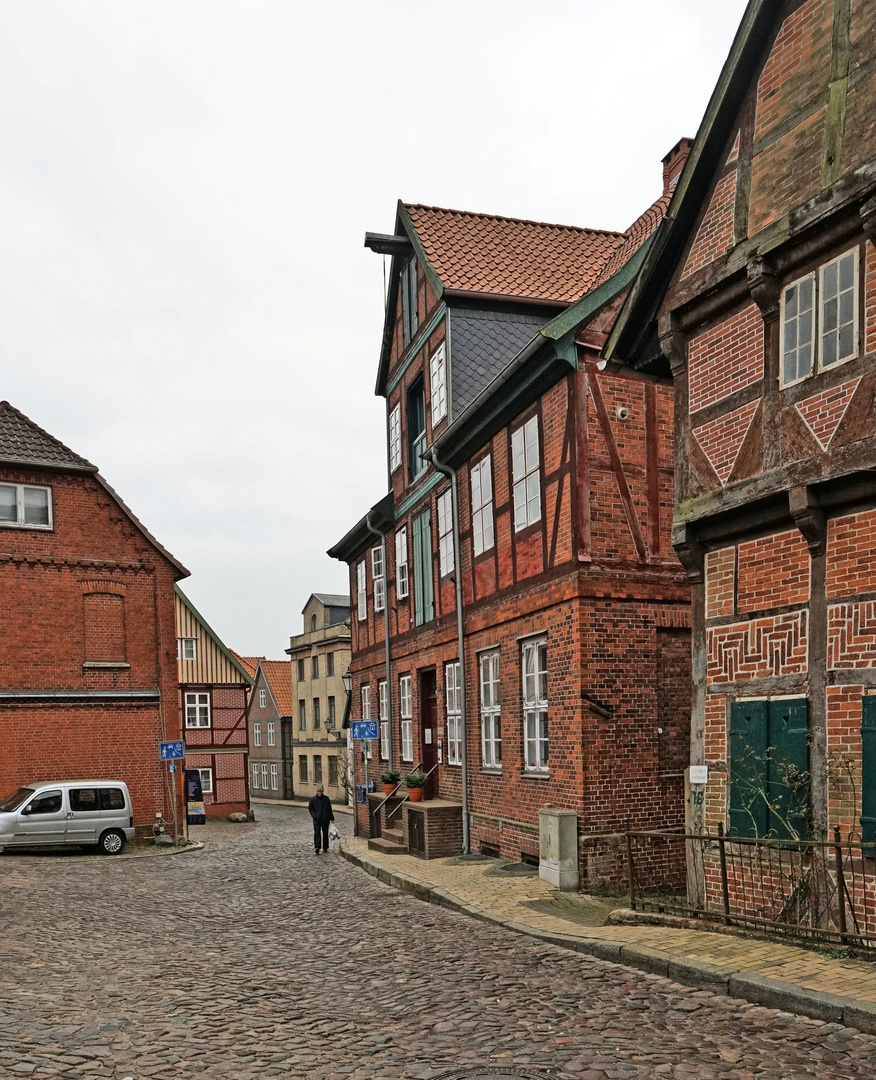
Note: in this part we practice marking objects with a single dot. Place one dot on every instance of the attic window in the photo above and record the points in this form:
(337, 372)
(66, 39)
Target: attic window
(26, 505)
(410, 320)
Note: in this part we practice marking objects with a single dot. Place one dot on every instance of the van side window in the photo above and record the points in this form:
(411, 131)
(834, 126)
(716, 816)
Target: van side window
(111, 798)
(83, 799)
(48, 802)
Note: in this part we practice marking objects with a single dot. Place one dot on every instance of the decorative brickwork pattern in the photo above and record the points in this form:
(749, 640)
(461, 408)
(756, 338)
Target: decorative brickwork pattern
(758, 649)
(823, 412)
(720, 582)
(851, 635)
(726, 358)
(844, 757)
(722, 439)
(851, 554)
(715, 235)
(773, 572)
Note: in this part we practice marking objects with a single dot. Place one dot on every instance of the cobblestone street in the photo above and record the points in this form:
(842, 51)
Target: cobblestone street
(254, 958)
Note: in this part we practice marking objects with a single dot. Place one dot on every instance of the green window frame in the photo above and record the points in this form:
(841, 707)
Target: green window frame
(424, 605)
(769, 768)
(410, 317)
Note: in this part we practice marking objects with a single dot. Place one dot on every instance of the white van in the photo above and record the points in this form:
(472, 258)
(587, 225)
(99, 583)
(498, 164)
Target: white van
(86, 812)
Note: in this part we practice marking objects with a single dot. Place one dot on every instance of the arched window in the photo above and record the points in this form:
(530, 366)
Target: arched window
(312, 623)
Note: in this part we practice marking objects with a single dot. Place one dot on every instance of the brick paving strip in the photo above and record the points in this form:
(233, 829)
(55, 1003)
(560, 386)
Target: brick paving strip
(772, 974)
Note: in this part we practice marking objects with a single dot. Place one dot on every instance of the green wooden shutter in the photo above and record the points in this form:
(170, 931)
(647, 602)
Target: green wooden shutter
(868, 768)
(748, 780)
(416, 539)
(788, 772)
(424, 606)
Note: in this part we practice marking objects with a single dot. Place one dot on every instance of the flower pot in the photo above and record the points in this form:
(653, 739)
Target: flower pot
(388, 789)
(415, 794)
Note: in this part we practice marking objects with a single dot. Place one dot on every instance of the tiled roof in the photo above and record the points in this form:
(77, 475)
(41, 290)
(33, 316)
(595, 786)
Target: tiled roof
(634, 237)
(510, 257)
(22, 442)
(279, 676)
(333, 599)
(248, 663)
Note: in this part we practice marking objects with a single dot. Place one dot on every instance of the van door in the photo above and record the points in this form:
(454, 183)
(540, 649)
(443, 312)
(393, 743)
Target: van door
(42, 820)
(82, 818)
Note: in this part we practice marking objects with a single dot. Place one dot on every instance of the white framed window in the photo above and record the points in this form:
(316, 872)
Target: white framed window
(395, 451)
(383, 714)
(263, 698)
(491, 721)
(185, 648)
(535, 705)
(206, 781)
(264, 777)
(482, 505)
(362, 595)
(527, 484)
(197, 710)
(365, 693)
(378, 577)
(405, 708)
(819, 321)
(272, 734)
(255, 777)
(275, 778)
(445, 532)
(438, 383)
(26, 506)
(257, 734)
(453, 713)
(401, 562)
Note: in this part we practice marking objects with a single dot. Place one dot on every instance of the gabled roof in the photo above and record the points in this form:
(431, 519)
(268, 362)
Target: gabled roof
(329, 600)
(22, 442)
(634, 237)
(278, 676)
(248, 663)
(511, 258)
(217, 641)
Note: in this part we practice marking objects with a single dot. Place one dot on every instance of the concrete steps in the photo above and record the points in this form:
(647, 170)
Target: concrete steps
(392, 842)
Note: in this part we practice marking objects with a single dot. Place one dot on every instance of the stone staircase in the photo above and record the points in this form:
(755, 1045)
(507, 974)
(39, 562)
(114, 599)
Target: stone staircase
(391, 842)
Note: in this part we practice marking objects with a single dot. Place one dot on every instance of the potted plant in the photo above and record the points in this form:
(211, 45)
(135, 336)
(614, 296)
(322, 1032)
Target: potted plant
(390, 780)
(415, 782)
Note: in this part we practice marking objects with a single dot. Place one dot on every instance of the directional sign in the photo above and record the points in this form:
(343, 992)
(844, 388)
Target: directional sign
(170, 750)
(364, 729)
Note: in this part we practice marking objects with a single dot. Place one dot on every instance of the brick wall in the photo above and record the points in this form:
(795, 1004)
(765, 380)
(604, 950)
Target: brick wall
(725, 358)
(715, 234)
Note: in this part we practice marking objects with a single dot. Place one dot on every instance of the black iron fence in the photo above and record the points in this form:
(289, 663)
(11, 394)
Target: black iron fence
(821, 890)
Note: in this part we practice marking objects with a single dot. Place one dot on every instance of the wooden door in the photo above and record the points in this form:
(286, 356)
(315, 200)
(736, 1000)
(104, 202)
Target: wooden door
(429, 730)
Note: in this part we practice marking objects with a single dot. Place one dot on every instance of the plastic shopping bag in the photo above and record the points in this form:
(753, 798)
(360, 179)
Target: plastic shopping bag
(333, 832)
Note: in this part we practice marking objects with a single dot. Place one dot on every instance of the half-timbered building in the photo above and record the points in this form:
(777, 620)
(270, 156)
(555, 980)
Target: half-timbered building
(519, 619)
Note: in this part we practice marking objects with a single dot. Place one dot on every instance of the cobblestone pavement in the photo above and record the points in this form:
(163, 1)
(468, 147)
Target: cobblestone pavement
(253, 958)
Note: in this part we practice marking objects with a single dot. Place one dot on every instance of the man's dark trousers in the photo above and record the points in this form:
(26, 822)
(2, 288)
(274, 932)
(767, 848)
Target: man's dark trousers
(320, 828)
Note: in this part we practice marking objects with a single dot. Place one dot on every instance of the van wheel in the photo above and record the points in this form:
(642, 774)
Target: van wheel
(111, 842)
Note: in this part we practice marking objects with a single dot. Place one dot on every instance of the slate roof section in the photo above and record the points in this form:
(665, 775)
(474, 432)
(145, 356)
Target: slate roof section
(511, 257)
(634, 237)
(22, 442)
(483, 343)
(278, 674)
(332, 600)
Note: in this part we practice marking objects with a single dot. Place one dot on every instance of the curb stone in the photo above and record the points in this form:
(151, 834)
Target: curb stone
(758, 989)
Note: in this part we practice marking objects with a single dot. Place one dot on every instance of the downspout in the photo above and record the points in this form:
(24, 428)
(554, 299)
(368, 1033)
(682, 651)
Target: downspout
(432, 455)
(382, 536)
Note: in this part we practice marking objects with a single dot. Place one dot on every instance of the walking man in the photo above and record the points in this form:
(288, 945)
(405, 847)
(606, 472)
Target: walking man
(320, 807)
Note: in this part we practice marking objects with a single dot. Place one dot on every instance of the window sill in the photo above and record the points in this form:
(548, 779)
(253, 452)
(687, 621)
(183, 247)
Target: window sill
(531, 774)
(490, 770)
(106, 665)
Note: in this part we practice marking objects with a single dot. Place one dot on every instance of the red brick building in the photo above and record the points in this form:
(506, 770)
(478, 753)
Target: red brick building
(760, 299)
(213, 688)
(553, 486)
(88, 682)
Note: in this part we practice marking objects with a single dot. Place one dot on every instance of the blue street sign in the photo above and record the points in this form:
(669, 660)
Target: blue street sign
(364, 729)
(170, 750)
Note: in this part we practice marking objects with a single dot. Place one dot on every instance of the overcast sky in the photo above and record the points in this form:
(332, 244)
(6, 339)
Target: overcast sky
(184, 189)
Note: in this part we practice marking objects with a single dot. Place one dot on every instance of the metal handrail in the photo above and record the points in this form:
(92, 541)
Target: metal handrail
(407, 797)
(386, 798)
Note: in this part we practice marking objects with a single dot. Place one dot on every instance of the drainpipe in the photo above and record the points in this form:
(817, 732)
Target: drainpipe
(382, 536)
(432, 455)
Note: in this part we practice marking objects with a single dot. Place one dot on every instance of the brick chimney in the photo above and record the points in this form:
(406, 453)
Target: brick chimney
(673, 163)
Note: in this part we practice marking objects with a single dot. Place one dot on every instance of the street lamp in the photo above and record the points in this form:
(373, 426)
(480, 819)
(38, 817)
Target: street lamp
(347, 680)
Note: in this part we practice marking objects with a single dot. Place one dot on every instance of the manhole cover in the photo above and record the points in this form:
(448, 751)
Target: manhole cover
(494, 1073)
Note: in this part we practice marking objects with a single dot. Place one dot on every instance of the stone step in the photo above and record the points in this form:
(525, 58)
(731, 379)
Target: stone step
(388, 847)
(396, 836)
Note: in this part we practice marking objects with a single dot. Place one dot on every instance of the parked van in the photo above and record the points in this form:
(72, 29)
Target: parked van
(85, 812)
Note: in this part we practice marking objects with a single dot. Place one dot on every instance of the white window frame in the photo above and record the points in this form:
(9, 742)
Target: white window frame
(272, 734)
(383, 714)
(491, 711)
(438, 383)
(206, 789)
(197, 710)
(257, 734)
(365, 697)
(378, 577)
(817, 317)
(453, 712)
(405, 688)
(445, 532)
(255, 777)
(263, 699)
(395, 439)
(482, 532)
(186, 648)
(361, 591)
(275, 778)
(264, 777)
(402, 581)
(20, 514)
(536, 735)
(526, 468)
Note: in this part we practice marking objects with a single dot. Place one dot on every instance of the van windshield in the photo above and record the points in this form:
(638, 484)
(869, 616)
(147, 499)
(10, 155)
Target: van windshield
(13, 801)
